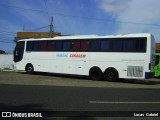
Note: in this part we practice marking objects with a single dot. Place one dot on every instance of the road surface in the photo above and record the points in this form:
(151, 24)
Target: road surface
(52, 98)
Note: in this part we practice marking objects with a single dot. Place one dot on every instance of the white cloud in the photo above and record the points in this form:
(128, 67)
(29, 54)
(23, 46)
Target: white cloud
(137, 11)
(141, 11)
(113, 6)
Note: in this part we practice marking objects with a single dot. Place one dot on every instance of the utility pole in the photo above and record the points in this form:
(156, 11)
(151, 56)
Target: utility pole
(51, 26)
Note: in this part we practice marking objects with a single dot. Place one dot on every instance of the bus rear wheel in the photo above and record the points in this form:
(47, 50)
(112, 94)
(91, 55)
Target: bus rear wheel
(111, 75)
(95, 73)
(29, 68)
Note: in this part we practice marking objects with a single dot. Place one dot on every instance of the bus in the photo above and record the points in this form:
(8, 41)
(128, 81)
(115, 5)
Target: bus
(129, 56)
(157, 66)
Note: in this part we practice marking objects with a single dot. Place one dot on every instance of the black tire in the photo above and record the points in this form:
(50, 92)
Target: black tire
(29, 68)
(95, 73)
(111, 75)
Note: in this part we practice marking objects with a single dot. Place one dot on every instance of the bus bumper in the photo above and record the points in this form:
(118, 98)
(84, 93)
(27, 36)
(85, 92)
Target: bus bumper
(149, 75)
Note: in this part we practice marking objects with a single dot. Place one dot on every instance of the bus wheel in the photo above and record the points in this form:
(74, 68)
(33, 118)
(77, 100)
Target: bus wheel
(111, 75)
(29, 68)
(95, 73)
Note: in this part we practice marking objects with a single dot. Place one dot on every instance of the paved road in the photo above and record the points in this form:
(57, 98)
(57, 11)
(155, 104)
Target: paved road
(52, 98)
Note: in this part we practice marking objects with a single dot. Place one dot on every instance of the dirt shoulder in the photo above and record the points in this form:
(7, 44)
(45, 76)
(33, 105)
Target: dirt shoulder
(10, 77)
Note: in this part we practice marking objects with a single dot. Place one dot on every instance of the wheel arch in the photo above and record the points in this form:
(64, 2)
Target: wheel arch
(95, 67)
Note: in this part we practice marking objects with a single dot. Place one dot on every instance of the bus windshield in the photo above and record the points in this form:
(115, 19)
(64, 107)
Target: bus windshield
(18, 52)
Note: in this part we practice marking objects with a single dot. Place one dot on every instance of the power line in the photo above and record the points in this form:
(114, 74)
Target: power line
(104, 20)
(3, 37)
(35, 29)
(41, 11)
(45, 2)
(6, 39)
(81, 17)
(8, 32)
(39, 28)
(6, 42)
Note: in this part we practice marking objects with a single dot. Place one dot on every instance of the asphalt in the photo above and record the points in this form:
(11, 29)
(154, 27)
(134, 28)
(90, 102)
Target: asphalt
(52, 98)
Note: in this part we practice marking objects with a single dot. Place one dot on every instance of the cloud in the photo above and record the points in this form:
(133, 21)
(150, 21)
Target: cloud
(141, 11)
(113, 6)
(137, 17)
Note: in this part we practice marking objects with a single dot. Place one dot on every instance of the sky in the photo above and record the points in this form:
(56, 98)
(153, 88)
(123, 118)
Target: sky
(78, 17)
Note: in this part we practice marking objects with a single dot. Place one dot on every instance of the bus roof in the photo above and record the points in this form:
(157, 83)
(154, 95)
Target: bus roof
(90, 36)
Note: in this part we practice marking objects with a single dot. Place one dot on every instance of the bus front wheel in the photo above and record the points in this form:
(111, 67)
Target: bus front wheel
(29, 68)
(111, 75)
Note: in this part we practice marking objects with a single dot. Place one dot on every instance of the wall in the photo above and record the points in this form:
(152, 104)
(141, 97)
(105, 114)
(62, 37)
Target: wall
(6, 62)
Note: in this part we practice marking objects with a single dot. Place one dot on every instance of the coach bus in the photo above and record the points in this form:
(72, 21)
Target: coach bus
(99, 57)
(157, 66)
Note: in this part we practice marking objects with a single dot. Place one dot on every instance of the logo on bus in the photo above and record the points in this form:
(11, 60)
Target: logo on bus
(71, 55)
(77, 55)
(62, 55)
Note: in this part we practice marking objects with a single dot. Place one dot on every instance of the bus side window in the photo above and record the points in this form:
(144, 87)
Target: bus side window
(84, 45)
(36, 46)
(59, 46)
(95, 45)
(75, 46)
(141, 45)
(30, 45)
(43, 45)
(66, 46)
(129, 45)
(105, 45)
(117, 45)
(50, 46)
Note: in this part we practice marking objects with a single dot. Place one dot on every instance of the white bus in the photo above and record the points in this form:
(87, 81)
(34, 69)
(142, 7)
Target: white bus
(109, 57)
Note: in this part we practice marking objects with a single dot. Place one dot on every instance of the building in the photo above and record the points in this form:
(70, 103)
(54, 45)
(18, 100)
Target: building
(157, 47)
(26, 35)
